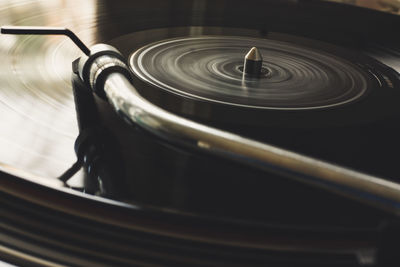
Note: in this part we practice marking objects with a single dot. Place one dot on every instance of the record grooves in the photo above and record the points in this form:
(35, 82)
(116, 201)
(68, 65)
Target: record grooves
(279, 94)
(217, 71)
(56, 224)
(240, 133)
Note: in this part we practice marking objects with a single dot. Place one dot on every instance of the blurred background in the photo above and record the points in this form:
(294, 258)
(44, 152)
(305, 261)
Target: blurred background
(392, 6)
(36, 104)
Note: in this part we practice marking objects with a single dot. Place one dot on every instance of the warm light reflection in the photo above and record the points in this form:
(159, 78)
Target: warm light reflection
(392, 6)
(36, 103)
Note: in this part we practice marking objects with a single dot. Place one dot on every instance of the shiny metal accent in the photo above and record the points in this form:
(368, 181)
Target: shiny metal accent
(254, 55)
(370, 189)
(253, 62)
(35, 88)
(96, 51)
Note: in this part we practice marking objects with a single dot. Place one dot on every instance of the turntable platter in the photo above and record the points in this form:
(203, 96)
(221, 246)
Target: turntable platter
(211, 68)
(177, 204)
(37, 109)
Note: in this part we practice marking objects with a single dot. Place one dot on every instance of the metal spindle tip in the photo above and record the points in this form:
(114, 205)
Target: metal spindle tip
(254, 55)
(253, 62)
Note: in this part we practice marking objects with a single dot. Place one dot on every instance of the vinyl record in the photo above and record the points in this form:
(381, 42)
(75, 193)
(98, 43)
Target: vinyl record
(177, 206)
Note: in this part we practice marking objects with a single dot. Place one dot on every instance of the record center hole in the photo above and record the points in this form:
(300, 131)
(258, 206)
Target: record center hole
(265, 72)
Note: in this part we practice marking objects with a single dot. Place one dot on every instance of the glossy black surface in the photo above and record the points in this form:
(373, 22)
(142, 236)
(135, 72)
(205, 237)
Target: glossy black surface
(36, 89)
(176, 193)
(208, 68)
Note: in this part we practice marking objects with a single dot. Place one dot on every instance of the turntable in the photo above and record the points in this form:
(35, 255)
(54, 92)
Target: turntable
(232, 133)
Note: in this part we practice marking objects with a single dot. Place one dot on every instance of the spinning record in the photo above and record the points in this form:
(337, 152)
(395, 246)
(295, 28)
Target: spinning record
(302, 82)
(326, 88)
(36, 90)
(210, 68)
